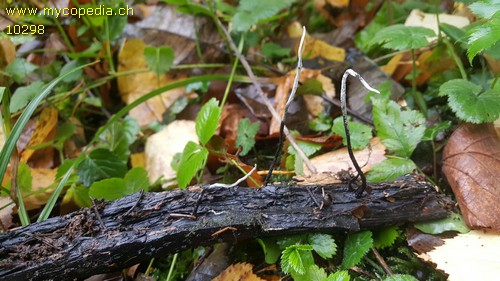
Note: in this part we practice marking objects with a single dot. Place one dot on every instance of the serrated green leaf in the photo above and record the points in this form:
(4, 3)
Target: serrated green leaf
(271, 249)
(470, 103)
(245, 137)
(100, 164)
(483, 37)
(207, 120)
(400, 37)
(400, 131)
(291, 240)
(159, 59)
(356, 246)
(385, 237)
(360, 133)
(454, 222)
(19, 69)
(400, 277)
(250, 12)
(23, 95)
(342, 275)
(313, 273)
(390, 169)
(323, 244)
(485, 9)
(193, 159)
(296, 259)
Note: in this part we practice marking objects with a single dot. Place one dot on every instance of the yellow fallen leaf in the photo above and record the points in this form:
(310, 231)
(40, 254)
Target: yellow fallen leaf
(238, 271)
(45, 128)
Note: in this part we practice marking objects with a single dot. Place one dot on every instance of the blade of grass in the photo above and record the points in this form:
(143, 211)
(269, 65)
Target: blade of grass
(213, 77)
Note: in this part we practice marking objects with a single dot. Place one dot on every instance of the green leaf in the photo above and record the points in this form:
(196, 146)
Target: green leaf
(291, 240)
(470, 103)
(114, 188)
(431, 132)
(313, 273)
(400, 277)
(23, 95)
(341, 275)
(400, 131)
(136, 180)
(100, 164)
(323, 244)
(390, 169)
(310, 87)
(454, 222)
(250, 12)
(246, 135)
(193, 159)
(159, 59)
(356, 246)
(385, 237)
(24, 178)
(70, 66)
(19, 69)
(309, 148)
(78, 194)
(119, 136)
(272, 50)
(400, 37)
(360, 133)
(485, 9)
(483, 37)
(296, 259)
(271, 249)
(207, 120)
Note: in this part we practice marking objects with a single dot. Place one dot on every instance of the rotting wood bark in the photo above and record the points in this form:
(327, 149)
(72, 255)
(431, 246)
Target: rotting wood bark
(78, 246)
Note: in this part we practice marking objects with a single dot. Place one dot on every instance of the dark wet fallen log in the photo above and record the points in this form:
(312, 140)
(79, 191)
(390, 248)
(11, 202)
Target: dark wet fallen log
(131, 230)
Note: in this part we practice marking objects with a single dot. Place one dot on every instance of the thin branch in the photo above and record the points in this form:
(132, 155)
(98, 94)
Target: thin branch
(277, 155)
(268, 104)
(343, 107)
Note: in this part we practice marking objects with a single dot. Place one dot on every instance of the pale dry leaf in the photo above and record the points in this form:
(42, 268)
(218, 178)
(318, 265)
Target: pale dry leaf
(6, 211)
(471, 161)
(41, 178)
(469, 256)
(337, 160)
(238, 271)
(419, 18)
(45, 130)
(162, 146)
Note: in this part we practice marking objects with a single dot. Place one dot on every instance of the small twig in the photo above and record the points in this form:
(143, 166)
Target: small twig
(94, 208)
(267, 103)
(136, 203)
(382, 262)
(343, 107)
(277, 155)
(236, 182)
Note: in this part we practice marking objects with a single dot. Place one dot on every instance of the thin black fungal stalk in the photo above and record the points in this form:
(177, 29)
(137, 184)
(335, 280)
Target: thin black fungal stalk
(277, 155)
(343, 107)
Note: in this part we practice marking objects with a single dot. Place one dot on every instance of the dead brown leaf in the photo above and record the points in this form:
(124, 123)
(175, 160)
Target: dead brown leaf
(238, 271)
(471, 161)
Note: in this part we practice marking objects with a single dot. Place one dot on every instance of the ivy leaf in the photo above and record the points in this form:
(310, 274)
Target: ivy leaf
(100, 164)
(470, 103)
(159, 59)
(296, 259)
(483, 37)
(385, 237)
(454, 222)
(114, 188)
(356, 246)
(400, 277)
(207, 120)
(400, 131)
(271, 249)
(23, 95)
(246, 135)
(193, 159)
(250, 12)
(390, 169)
(400, 37)
(341, 275)
(360, 133)
(323, 244)
(19, 69)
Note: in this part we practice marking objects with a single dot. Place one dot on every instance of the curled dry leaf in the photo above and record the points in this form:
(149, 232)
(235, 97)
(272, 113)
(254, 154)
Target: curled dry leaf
(238, 271)
(471, 161)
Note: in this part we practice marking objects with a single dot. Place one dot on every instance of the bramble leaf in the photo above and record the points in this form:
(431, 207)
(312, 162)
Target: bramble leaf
(470, 103)
(296, 259)
(246, 135)
(207, 120)
(360, 133)
(356, 246)
(250, 12)
(400, 131)
(485, 9)
(193, 159)
(400, 37)
(159, 59)
(323, 244)
(313, 273)
(390, 169)
(483, 36)
(385, 237)
(341, 275)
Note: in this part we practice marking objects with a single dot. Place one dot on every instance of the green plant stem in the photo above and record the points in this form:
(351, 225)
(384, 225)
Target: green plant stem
(456, 59)
(233, 71)
(108, 47)
(171, 269)
(149, 267)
